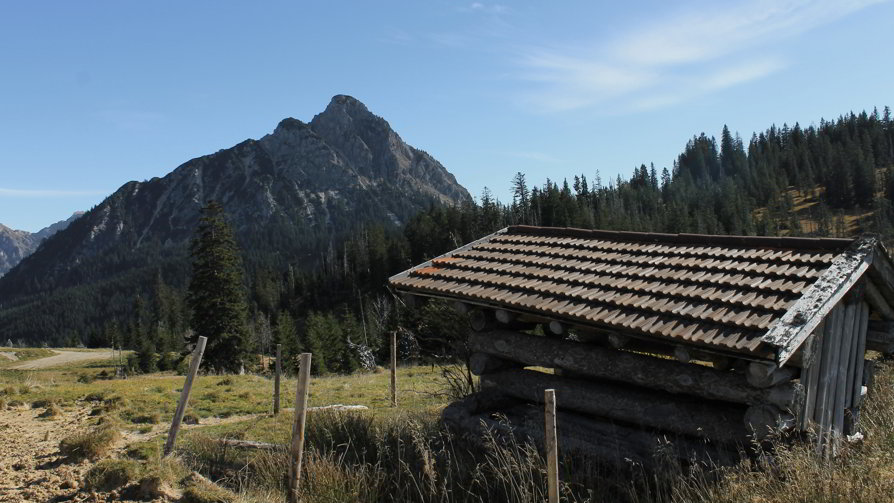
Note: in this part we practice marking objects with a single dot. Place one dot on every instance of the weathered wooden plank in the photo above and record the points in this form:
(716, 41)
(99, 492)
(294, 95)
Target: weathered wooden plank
(844, 365)
(813, 364)
(661, 411)
(819, 299)
(856, 393)
(622, 366)
(825, 390)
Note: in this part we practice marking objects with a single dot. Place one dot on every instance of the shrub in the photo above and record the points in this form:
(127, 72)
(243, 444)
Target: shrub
(153, 418)
(201, 490)
(86, 378)
(91, 444)
(111, 474)
(52, 411)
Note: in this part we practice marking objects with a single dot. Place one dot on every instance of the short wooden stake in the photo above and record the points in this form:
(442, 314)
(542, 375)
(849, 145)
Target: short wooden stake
(297, 450)
(184, 395)
(552, 448)
(394, 368)
(276, 379)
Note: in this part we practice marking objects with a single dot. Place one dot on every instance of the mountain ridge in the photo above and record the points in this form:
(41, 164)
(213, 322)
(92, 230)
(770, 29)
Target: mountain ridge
(289, 196)
(17, 244)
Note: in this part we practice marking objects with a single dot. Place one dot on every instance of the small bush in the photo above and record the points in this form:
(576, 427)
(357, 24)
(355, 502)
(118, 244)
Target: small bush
(226, 381)
(91, 444)
(143, 451)
(52, 411)
(15, 403)
(86, 378)
(204, 491)
(44, 402)
(9, 390)
(153, 418)
(168, 361)
(111, 474)
(96, 396)
(114, 402)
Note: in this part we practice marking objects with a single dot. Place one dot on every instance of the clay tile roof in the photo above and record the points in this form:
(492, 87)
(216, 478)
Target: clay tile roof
(720, 292)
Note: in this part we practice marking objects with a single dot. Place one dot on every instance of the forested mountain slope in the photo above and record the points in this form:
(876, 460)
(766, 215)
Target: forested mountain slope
(16, 245)
(290, 197)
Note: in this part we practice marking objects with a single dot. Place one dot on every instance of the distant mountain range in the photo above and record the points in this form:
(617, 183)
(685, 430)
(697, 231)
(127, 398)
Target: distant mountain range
(16, 245)
(289, 196)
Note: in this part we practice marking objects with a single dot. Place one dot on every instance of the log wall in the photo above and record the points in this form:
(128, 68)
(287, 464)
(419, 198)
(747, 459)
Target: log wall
(695, 402)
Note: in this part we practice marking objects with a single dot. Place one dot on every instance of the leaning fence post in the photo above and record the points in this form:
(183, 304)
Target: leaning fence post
(184, 395)
(552, 448)
(276, 379)
(298, 428)
(394, 368)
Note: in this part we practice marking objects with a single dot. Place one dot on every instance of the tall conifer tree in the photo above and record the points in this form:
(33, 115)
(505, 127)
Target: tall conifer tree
(216, 292)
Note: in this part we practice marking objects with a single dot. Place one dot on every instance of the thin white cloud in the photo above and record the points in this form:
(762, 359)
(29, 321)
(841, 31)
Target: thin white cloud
(487, 8)
(676, 58)
(48, 193)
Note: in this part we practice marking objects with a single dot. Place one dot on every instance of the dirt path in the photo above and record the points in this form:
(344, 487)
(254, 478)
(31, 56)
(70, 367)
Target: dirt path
(30, 466)
(10, 355)
(63, 357)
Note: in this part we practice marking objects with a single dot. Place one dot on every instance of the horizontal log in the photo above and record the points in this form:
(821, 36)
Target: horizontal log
(765, 375)
(878, 302)
(880, 337)
(632, 368)
(485, 319)
(698, 418)
(482, 363)
(578, 435)
(767, 420)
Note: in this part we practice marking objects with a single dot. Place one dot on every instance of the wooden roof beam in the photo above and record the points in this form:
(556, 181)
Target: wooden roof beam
(801, 320)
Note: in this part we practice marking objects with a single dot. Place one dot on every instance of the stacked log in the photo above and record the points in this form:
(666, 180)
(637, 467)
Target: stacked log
(623, 405)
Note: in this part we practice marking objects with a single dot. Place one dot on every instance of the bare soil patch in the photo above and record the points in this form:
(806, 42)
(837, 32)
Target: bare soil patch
(63, 357)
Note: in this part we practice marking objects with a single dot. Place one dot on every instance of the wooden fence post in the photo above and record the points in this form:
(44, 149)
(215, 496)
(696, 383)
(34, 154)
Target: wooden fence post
(184, 395)
(276, 379)
(552, 448)
(298, 428)
(394, 368)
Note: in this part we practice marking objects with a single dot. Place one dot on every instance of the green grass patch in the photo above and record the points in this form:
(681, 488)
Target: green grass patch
(111, 474)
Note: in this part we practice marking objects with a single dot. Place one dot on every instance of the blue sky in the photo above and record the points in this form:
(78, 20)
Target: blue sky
(95, 94)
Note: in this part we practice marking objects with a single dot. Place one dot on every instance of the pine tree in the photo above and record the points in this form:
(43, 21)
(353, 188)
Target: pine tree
(216, 292)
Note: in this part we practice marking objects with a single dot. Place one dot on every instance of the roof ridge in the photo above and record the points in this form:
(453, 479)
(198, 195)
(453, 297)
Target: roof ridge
(690, 239)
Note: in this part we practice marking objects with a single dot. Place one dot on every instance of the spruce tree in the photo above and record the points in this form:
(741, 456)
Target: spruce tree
(216, 295)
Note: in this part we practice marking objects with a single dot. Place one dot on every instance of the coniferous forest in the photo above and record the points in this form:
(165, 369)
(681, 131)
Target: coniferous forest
(835, 178)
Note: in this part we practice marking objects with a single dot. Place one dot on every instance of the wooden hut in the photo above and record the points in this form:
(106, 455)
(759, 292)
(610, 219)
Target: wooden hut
(709, 340)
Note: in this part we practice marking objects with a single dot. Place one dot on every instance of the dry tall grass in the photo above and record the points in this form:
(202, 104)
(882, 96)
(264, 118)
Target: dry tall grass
(352, 457)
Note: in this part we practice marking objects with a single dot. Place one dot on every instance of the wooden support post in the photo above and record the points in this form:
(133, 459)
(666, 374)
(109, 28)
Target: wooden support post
(277, 378)
(297, 451)
(552, 448)
(394, 368)
(184, 395)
